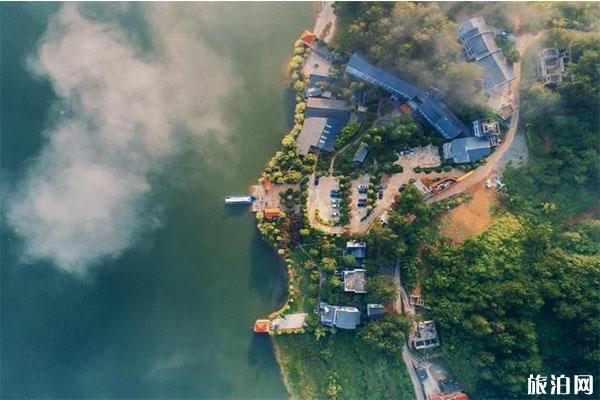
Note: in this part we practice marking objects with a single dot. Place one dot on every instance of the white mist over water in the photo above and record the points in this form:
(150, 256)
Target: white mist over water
(84, 198)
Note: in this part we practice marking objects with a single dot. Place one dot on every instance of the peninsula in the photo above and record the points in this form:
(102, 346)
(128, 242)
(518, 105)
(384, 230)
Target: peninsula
(413, 215)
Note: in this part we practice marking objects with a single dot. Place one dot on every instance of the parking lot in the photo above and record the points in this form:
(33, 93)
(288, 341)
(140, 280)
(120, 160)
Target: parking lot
(319, 198)
(358, 213)
(424, 157)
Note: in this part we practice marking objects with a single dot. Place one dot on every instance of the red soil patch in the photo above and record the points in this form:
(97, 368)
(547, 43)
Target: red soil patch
(472, 217)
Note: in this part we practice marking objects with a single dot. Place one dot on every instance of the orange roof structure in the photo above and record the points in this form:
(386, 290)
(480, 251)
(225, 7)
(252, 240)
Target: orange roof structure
(308, 37)
(271, 213)
(262, 326)
(449, 396)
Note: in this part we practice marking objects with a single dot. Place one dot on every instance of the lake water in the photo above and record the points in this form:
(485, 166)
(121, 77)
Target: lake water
(170, 318)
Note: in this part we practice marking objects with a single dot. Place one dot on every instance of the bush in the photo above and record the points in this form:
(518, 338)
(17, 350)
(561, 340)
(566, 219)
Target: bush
(417, 170)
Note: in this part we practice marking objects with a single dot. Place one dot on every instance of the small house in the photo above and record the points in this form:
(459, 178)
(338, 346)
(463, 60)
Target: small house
(361, 153)
(551, 65)
(355, 281)
(426, 336)
(356, 249)
(339, 316)
(375, 310)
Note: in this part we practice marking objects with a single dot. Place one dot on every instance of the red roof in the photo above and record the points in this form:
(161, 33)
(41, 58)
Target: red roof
(262, 326)
(271, 213)
(308, 37)
(449, 396)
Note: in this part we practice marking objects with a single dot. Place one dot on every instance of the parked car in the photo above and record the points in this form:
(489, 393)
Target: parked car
(335, 205)
(380, 195)
(334, 193)
(362, 204)
(335, 200)
(316, 181)
(402, 187)
(421, 373)
(335, 214)
(363, 188)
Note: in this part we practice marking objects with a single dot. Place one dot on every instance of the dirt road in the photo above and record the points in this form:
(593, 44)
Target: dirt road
(491, 167)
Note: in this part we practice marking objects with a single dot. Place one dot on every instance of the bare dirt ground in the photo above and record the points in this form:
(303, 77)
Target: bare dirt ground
(326, 22)
(472, 217)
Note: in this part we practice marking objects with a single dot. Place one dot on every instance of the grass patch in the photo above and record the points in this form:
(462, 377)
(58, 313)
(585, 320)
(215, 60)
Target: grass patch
(312, 368)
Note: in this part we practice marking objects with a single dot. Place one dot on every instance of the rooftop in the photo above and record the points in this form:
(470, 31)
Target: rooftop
(339, 316)
(362, 69)
(467, 149)
(375, 310)
(327, 108)
(356, 249)
(426, 335)
(361, 153)
(432, 110)
(320, 133)
(479, 45)
(441, 118)
(355, 281)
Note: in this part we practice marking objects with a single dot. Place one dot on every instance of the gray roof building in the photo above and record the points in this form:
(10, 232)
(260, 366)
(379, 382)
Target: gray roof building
(355, 281)
(480, 46)
(375, 310)
(430, 109)
(361, 153)
(467, 150)
(440, 118)
(327, 108)
(356, 249)
(551, 65)
(362, 69)
(318, 133)
(339, 316)
(426, 336)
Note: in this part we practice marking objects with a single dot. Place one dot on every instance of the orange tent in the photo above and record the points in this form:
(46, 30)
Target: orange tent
(308, 37)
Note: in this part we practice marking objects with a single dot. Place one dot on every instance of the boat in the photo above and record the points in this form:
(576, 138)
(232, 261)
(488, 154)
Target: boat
(262, 326)
(239, 199)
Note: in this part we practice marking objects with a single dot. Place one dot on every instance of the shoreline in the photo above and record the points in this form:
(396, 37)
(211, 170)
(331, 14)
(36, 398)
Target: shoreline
(325, 24)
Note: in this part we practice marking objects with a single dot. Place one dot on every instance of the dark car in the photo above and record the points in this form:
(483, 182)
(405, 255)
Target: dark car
(380, 195)
(334, 193)
(316, 180)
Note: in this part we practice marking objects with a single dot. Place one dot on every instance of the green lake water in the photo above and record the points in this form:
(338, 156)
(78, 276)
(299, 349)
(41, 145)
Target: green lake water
(171, 317)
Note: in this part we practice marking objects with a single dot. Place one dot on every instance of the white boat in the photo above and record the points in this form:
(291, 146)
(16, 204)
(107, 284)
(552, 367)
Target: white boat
(239, 199)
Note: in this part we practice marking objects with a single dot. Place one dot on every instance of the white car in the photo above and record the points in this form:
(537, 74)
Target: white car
(335, 214)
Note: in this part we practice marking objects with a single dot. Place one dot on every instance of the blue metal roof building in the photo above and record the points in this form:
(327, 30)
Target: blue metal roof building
(441, 118)
(362, 69)
(431, 110)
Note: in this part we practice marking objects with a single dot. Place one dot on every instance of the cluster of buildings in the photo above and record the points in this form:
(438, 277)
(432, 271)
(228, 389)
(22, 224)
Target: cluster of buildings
(326, 116)
(355, 281)
(466, 144)
(480, 46)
